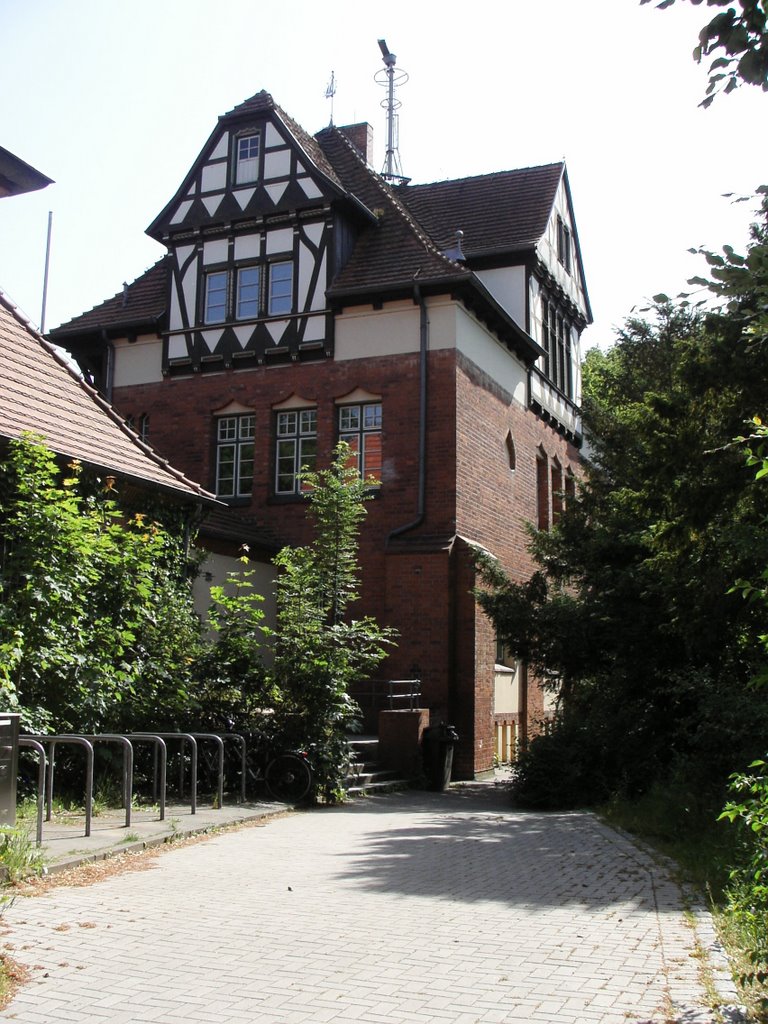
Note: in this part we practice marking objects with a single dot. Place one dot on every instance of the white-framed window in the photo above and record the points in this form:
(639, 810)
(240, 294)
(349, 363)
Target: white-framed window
(215, 307)
(564, 244)
(295, 448)
(247, 298)
(234, 455)
(360, 427)
(247, 159)
(280, 288)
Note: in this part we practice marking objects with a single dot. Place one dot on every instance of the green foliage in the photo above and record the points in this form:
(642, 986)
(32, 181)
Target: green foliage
(19, 857)
(319, 649)
(739, 37)
(96, 625)
(234, 684)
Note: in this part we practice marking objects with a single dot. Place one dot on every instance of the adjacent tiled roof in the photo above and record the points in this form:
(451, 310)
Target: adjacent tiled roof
(17, 176)
(503, 212)
(143, 302)
(397, 249)
(40, 394)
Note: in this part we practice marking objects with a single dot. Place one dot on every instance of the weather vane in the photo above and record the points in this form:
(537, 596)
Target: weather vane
(330, 92)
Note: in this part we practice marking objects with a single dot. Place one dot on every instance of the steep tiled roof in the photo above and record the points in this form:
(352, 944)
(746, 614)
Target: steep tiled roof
(397, 249)
(263, 103)
(142, 302)
(40, 394)
(502, 212)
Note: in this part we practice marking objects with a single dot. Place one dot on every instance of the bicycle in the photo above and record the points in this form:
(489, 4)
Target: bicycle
(287, 776)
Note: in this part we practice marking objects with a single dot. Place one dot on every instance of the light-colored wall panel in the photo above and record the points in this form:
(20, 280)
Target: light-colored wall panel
(138, 362)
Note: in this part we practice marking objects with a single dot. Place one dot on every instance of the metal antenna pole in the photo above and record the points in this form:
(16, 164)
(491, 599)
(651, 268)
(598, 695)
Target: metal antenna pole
(45, 276)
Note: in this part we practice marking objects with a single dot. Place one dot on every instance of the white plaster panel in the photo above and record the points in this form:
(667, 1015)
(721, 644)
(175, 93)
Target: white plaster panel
(222, 147)
(244, 196)
(139, 362)
(212, 203)
(273, 137)
(306, 266)
(182, 254)
(244, 335)
(277, 164)
(276, 329)
(212, 339)
(181, 211)
(192, 190)
(215, 251)
(214, 177)
(174, 318)
(247, 247)
(363, 332)
(275, 192)
(318, 298)
(280, 240)
(189, 285)
(315, 329)
(506, 691)
(310, 189)
(177, 347)
(490, 355)
(314, 233)
(507, 286)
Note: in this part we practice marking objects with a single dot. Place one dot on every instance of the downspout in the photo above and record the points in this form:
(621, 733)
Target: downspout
(418, 299)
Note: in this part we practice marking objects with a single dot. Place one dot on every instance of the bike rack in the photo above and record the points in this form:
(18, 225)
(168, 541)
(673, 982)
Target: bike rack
(183, 737)
(160, 754)
(38, 748)
(215, 738)
(125, 743)
(77, 741)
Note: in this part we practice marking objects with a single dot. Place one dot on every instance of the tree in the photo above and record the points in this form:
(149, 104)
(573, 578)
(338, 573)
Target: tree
(740, 38)
(319, 648)
(631, 609)
(97, 629)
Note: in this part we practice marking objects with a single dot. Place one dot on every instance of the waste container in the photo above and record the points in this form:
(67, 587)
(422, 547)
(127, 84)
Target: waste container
(439, 741)
(9, 767)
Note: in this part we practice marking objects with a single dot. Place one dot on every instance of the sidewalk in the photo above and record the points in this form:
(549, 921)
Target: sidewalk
(408, 908)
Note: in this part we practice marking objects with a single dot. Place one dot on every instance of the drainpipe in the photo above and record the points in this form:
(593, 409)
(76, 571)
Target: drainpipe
(418, 299)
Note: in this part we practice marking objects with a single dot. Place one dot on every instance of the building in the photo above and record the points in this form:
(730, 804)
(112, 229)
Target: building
(302, 299)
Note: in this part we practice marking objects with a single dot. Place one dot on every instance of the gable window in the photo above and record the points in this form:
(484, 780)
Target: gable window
(296, 448)
(246, 159)
(234, 455)
(556, 340)
(360, 427)
(215, 308)
(280, 288)
(247, 299)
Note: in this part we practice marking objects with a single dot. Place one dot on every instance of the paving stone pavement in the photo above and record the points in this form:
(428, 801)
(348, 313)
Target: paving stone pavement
(411, 907)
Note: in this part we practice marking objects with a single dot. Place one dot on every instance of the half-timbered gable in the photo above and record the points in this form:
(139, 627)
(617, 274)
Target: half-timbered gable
(254, 243)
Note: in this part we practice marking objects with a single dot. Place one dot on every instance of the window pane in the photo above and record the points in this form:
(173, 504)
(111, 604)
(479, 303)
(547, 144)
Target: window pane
(228, 428)
(349, 418)
(372, 456)
(245, 469)
(280, 288)
(216, 297)
(225, 475)
(372, 417)
(247, 427)
(286, 423)
(247, 292)
(247, 162)
(309, 421)
(286, 467)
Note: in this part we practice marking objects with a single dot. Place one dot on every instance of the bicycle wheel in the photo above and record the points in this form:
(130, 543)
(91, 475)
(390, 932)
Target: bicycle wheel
(288, 778)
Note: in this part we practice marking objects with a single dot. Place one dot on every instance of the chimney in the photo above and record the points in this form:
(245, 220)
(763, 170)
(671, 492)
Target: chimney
(361, 137)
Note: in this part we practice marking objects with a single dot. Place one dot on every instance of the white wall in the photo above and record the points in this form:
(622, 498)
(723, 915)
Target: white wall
(507, 286)
(138, 362)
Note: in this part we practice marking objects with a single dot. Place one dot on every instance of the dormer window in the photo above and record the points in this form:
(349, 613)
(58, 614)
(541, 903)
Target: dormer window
(246, 159)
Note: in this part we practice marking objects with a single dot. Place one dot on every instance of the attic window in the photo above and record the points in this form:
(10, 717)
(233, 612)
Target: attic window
(246, 159)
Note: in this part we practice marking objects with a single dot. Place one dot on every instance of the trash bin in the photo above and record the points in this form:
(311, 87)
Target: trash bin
(9, 766)
(439, 741)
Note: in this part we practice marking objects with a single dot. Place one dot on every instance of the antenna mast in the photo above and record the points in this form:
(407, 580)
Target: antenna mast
(330, 92)
(390, 78)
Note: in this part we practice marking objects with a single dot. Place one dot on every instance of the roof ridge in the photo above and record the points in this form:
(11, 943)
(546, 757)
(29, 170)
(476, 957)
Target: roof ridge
(487, 174)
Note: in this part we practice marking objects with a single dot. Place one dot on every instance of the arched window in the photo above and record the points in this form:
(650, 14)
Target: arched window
(511, 454)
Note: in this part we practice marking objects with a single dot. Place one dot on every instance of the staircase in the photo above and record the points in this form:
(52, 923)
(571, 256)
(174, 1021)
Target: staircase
(365, 773)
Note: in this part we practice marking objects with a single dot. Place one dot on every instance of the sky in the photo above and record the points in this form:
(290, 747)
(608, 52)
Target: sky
(114, 101)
